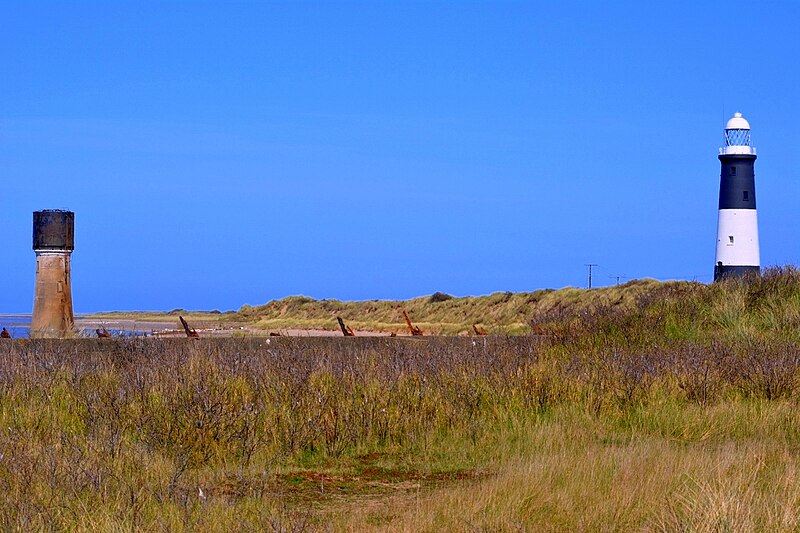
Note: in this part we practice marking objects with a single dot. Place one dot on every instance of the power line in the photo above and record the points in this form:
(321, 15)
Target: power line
(590, 265)
(618, 278)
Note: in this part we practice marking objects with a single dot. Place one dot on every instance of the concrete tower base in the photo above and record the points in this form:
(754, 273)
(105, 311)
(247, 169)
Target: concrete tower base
(723, 272)
(52, 304)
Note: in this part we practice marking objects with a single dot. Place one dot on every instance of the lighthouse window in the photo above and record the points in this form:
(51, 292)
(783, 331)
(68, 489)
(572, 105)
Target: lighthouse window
(746, 196)
(730, 238)
(733, 171)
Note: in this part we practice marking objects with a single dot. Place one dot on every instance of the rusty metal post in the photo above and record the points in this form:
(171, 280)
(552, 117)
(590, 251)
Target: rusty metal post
(414, 330)
(53, 242)
(190, 332)
(346, 331)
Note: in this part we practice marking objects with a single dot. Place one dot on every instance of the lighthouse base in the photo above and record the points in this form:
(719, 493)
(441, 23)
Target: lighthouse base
(729, 271)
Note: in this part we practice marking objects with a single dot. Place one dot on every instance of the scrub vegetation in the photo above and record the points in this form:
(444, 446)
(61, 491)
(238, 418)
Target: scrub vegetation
(670, 408)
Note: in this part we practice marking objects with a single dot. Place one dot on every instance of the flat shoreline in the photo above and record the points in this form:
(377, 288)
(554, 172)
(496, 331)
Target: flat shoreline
(173, 327)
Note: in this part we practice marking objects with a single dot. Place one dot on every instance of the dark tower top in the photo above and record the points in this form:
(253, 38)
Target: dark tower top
(54, 229)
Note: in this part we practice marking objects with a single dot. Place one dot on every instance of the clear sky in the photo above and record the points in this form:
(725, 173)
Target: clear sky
(224, 153)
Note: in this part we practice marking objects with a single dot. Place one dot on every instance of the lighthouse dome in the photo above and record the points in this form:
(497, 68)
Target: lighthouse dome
(737, 122)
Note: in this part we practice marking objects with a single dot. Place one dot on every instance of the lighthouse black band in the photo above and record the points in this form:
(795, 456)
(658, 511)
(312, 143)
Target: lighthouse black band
(737, 186)
(729, 271)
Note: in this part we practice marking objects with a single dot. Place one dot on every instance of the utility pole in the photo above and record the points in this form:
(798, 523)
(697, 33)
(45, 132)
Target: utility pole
(618, 278)
(590, 265)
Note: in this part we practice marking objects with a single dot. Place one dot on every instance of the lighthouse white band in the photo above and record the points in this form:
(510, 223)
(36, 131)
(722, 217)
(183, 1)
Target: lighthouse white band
(738, 150)
(737, 238)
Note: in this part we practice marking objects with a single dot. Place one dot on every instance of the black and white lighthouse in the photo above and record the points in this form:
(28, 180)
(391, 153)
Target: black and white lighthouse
(737, 226)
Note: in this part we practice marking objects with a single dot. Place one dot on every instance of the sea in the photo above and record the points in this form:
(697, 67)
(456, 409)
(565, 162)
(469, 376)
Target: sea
(19, 326)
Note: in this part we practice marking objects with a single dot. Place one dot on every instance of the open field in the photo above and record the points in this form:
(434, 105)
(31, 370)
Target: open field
(676, 411)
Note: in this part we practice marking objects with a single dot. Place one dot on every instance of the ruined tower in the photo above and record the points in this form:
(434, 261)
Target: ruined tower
(53, 242)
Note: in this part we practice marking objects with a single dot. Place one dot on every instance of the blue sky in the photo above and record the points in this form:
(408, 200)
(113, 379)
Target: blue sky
(225, 153)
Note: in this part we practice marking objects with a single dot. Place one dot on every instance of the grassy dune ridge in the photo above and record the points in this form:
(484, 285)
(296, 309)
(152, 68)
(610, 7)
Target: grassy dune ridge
(674, 409)
(439, 313)
(500, 313)
(694, 309)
